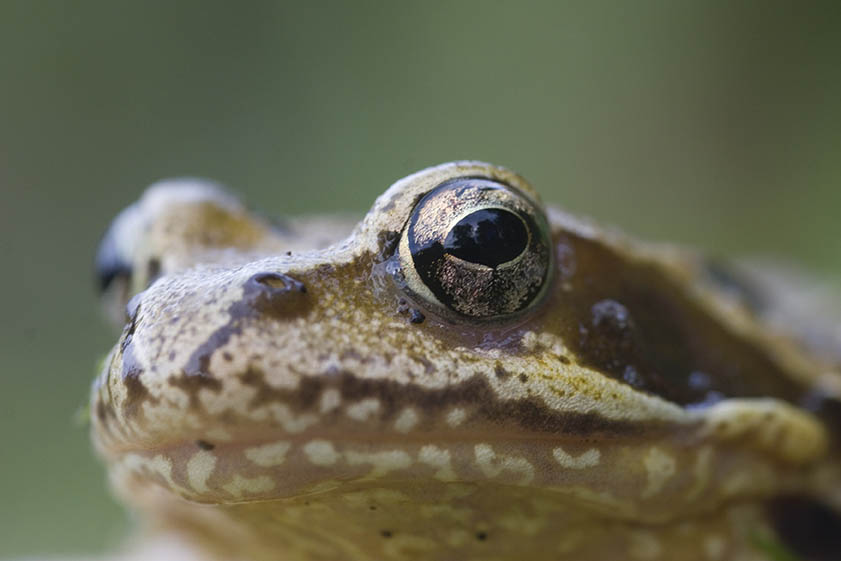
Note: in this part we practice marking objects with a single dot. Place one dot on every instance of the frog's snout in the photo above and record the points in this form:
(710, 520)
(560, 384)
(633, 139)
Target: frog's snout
(275, 295)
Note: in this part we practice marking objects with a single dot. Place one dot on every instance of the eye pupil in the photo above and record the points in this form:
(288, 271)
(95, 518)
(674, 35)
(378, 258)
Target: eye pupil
(490, 237)
(476, 249)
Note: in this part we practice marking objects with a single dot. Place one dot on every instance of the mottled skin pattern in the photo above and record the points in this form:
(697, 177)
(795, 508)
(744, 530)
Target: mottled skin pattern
(274, 396)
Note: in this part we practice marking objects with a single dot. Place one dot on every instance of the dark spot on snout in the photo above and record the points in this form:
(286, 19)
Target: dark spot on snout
(205, 445)
(481, 536)
(501, 372)
(807, 526)
(273, 294)
(136, 391)
(386, 533)
(192, 384)
(284, 283)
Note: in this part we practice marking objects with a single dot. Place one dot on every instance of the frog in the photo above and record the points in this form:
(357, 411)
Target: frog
(464, 374)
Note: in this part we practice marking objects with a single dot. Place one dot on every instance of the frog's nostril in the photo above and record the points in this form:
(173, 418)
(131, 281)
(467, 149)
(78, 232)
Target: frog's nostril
(274, 294)
(278, 282)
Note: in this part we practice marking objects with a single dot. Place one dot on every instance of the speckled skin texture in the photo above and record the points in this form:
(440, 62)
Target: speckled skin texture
(274, 396)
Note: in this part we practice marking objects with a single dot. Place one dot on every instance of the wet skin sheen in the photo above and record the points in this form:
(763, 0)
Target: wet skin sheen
(462, 375)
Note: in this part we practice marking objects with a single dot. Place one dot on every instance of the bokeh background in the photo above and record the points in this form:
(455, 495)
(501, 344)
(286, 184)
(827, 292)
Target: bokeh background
(716, 124)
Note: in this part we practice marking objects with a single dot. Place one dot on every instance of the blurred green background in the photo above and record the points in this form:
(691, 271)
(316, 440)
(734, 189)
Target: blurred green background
(716, 124)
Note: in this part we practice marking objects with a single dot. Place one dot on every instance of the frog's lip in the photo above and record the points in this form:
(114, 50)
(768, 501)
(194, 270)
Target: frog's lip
(298, 448)
(313, 463)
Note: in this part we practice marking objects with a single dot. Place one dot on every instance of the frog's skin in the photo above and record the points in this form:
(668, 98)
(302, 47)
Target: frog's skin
(290, 393)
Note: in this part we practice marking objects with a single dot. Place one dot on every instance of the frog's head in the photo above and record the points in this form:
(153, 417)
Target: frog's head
(460, 339)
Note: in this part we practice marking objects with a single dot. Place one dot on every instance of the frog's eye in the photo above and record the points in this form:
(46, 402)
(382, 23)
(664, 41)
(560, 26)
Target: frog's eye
(474, 248)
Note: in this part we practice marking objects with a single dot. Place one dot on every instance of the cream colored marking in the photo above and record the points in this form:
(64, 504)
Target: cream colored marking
(493, 464)
(321, 452)
(330, 399)
(714, 547)
(268, 455)
(406, 421)
(529, 340)
(644, 545)
(159, 464)
(702, 473)
(456, 416)
(659, 467)
(776, 427)
(438, 458)
(587, 459)
(240, 485)
(362, 410)
(382, 462)
(199, 469)
(290, 423)
(553, 343)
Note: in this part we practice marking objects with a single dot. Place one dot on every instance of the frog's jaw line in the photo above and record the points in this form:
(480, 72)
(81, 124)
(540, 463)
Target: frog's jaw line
(641, 490)
(434, 520)
(639, 468)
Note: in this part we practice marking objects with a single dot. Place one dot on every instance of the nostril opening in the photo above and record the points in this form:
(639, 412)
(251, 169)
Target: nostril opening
(276, 295)
(278, 281)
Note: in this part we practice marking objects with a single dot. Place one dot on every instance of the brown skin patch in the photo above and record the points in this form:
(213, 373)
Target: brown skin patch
(136, 392)
(628, 319)
(191, 384)
(631, 321)
(271, 295)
